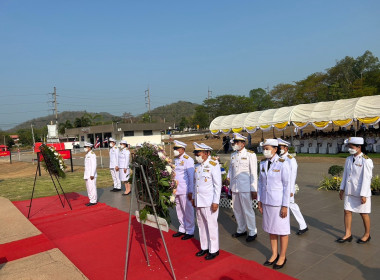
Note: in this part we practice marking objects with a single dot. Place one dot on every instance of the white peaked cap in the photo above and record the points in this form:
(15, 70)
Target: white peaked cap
(237, 136)
(283, 142)
(269, 142)
(354, 140)
(86, 144)
(179, 144)
(111, 140)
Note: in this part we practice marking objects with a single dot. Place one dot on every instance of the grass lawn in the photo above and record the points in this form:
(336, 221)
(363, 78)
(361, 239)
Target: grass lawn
(21, 188)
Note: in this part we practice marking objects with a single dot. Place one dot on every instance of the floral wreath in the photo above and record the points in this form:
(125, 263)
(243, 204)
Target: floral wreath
(164, 184)
(58, 165)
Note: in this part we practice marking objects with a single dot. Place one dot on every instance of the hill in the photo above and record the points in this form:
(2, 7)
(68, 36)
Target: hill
(62, 117)
(173, 112)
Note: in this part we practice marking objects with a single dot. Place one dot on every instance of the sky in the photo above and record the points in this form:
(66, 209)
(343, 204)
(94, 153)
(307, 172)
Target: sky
(102, 55)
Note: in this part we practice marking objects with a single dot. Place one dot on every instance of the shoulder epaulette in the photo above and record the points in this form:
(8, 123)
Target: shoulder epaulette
(365, 156)
(186, 156)
(213, 163)
(281, 160)
(290, 157)
(92, 152)
(264, 159)
(251, 152)
(214, 158)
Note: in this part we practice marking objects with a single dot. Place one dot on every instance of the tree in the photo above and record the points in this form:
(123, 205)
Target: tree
(183, 123)
(228, 104)
(201, 117)
(82, 121)
(261, 100)
(284, 95)
(127, 117)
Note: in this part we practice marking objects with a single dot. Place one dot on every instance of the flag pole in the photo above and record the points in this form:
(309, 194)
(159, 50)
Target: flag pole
(101, 159)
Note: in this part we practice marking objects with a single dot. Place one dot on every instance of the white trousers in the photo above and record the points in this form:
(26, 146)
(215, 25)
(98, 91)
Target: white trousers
(185, 214)
(208, 229)
(297, 213)
(91, 190)
(116, 179)
(244, 213)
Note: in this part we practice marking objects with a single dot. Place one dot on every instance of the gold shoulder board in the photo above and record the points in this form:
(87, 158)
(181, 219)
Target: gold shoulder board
(264, 159)
(213, 163)
(289, 156)
(365, 156)
(251, 152)
(186, 156)
(281, 160)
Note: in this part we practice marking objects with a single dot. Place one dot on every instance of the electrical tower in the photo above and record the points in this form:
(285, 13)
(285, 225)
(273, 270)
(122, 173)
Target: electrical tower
(209, 93)
(54, 101)
(147, 102)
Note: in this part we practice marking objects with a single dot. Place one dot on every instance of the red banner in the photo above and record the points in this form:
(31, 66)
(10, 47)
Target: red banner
(65, 154)
(5, 153)
(57, 146)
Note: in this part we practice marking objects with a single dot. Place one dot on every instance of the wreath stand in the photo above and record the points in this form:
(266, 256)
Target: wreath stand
(50, 168)
(139, 202)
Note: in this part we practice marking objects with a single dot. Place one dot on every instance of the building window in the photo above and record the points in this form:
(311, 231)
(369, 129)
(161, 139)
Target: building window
(82, 138)
(129, 133)
(148, 132)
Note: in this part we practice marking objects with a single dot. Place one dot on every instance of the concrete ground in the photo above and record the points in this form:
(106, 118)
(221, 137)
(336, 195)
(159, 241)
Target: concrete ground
(314, 255)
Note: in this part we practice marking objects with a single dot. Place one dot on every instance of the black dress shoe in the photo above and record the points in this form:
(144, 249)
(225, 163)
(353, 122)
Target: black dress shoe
(236, 234)
(211, 256)
(90, 204)
(178, 234)
(341, 240)
(268, 263)
(127, 193)
(276, 266)
(187, 236)
(302, 231)
(251, 238)
(360, 241)
(201, 253)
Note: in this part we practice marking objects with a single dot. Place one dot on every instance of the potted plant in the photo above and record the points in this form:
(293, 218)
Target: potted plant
(375, 185)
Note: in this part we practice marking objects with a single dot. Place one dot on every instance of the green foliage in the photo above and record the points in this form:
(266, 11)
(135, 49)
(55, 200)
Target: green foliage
(292, 150)
(330, 183)
(260, 99)
(54, 159)
(336, 170)
(201, 117)
(375, 185)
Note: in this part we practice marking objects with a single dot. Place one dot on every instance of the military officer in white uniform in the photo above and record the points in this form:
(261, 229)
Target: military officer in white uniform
(184, 174)
(355, 188)
(114, 165)
(284, 154)
(274, 198)
(123, 161)
(206, 196)
(242, 174)
(90, 174)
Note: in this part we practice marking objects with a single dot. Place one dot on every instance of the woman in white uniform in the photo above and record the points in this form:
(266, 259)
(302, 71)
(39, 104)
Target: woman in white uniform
(274, 198)
(355, 188)
(124, 166)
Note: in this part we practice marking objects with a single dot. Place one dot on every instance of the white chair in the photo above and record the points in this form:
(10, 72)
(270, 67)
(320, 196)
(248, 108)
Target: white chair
(297, 145)
(333, 148)
(313, 149)
(376, 147)
(344, 148)
(305, 147)
(323, 147)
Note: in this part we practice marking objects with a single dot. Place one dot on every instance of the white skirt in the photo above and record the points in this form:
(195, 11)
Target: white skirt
(353, 204)
(273, 223)
(123, 176)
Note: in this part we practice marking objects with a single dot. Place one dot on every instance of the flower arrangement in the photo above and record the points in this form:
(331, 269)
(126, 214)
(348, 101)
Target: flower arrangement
(160, 174)
(375, 185)
(54, 160)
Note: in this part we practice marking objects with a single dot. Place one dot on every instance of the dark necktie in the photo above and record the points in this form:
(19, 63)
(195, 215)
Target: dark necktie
(353, 159)
(269, 163)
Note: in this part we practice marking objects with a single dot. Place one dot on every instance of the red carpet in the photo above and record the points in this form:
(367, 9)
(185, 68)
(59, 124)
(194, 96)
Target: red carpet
(94, 239)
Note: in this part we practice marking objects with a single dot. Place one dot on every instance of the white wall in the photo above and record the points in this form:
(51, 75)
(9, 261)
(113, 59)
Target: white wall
(133, 140)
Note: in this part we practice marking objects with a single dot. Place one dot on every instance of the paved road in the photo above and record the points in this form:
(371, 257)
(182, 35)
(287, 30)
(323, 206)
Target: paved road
(313, 255)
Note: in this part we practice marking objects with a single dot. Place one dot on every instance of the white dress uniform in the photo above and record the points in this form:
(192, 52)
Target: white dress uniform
(114, 161)
(184, 174)
(293, 206)
(274, 192)
(207, 188)
(356, 182)
(90, 170)
(124, 155)
(243, 180)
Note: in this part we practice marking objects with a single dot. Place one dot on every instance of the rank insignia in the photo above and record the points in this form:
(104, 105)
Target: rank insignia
(205, 179)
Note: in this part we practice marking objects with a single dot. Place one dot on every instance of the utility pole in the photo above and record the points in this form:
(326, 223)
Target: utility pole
(54, 95)
(209, 93)
(34, 141)
(147, 102)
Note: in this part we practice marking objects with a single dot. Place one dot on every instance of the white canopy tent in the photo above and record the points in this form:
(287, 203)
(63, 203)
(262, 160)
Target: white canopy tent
(340, 112)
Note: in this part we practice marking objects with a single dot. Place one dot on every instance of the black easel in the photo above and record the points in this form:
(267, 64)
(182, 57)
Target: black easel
(50, 169)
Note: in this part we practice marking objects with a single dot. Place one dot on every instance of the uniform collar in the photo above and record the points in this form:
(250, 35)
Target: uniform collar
(273, 159)
(358, 156)
(242, 151)
(284, 155)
